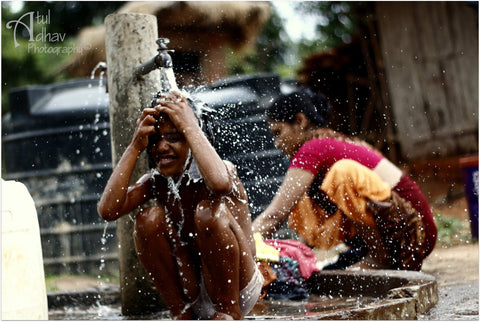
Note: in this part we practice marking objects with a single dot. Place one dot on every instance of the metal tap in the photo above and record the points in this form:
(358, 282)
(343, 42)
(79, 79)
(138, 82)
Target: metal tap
(163, 59)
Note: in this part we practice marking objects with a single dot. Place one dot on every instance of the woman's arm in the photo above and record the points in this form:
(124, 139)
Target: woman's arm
(211, 166)
(118, 198)
(295, 184)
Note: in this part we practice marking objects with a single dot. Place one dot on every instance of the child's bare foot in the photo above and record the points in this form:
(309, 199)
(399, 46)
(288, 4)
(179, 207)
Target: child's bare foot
(222, 316)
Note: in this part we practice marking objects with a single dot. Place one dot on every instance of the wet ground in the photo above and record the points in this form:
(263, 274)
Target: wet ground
(455, 303)
(455, 269)
(264, 310)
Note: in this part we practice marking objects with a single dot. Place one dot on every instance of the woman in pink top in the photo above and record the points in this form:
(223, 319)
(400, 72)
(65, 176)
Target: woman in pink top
(340, 189)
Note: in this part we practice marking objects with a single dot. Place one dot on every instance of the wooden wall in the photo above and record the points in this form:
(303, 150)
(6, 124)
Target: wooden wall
(430, 57)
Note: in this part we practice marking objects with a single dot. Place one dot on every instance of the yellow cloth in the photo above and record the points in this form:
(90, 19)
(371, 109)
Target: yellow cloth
(348, 184)
(265, 252)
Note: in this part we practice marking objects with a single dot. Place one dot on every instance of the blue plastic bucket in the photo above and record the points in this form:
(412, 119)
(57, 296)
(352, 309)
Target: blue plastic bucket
(469, 167)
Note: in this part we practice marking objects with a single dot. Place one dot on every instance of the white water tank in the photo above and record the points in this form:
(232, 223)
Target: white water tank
(24, 295)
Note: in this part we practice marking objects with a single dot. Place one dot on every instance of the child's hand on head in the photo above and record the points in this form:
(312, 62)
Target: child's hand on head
(144, 128)
(177, 107)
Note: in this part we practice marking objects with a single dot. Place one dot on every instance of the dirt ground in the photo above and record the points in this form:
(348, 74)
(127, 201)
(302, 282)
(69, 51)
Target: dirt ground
(456, 271)
(456, 268)
(453, 265)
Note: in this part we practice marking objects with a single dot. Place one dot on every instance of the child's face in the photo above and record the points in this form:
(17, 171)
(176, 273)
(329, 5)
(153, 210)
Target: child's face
(170, 149)
(287, 137)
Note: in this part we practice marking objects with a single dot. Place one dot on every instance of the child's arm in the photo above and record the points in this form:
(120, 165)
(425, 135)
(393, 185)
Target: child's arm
(118, 198)
(209, 163)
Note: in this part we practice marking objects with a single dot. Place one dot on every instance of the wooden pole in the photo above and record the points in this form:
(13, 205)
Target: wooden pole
(130, 41)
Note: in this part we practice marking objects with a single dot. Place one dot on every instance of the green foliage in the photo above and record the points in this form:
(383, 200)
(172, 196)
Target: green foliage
(19, 66)
(276, 52)
(452, 231)
(268, 53)
(39, 61)
(337, 22)
(67, 16)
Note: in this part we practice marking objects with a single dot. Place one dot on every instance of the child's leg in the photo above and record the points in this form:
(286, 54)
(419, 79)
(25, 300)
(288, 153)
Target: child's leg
(228, 264)
(349, 185)
(161, 253)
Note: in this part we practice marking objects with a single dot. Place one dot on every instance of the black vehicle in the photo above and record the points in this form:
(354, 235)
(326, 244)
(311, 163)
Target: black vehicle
(56, 140)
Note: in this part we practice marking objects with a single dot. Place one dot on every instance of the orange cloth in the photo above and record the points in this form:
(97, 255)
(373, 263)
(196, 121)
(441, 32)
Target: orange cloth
(318, 228)
(348, 184)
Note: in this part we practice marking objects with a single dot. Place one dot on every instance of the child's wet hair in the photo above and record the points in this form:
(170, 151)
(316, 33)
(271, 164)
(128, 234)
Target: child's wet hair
(285, 107)
(204, 114)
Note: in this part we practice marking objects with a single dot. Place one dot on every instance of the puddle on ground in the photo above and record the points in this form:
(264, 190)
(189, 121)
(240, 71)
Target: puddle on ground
(264, 310)
(100, 312)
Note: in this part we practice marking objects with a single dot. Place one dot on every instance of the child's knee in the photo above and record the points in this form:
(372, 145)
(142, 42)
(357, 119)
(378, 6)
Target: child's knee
(209, 216)
(149, 221)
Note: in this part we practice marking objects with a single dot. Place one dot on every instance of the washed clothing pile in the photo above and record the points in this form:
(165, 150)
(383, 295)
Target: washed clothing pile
(289, 264)
(289, 284)
(304, 255)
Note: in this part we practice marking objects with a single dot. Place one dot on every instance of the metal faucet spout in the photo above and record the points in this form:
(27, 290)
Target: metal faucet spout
(163, 59)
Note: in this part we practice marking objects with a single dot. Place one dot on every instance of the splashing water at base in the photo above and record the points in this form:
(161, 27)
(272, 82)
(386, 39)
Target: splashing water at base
(265, 309)
(100, 312)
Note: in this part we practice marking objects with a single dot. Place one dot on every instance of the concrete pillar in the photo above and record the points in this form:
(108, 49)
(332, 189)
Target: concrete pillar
(130, 41)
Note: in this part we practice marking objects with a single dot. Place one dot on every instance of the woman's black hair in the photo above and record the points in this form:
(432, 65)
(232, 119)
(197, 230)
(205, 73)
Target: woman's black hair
(285, 107)
(204, 114)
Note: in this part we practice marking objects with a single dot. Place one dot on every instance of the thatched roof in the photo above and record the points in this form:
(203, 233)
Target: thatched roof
(241, 18)
(232, 23)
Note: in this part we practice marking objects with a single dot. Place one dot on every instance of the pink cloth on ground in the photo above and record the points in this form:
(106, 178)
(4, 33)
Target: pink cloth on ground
(300, 252)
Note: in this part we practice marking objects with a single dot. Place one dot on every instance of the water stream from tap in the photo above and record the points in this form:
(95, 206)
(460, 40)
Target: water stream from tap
(168, 81)
(103, 67)
(103, 240)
